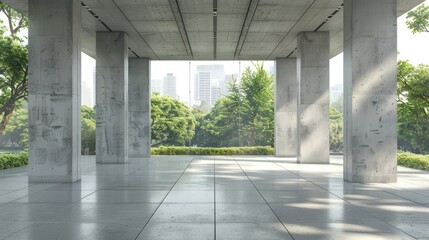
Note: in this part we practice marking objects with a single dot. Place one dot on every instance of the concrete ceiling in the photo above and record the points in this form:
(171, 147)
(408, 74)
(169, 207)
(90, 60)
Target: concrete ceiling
(189, 29)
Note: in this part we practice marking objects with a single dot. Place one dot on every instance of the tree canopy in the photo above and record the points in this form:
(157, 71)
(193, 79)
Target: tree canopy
(172, 121)
(245, 117)
(413, 107)
(418, 19)
(13, 65)
(88, 129)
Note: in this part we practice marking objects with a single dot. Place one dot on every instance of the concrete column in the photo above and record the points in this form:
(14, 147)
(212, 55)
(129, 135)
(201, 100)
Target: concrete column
(139, 107)
(112, 97)
(313, 97)
(54, 90)
(285, 115)
(370, 91)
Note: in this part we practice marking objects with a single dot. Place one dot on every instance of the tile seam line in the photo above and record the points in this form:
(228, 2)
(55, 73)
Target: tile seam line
(272, 210)
(151, 216)
(336, 194)
(214, 195)
(360, 207)
(103, 188)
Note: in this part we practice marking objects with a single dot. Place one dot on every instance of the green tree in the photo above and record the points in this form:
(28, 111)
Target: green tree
(172, 121)
(258, 107)
(17, 129)
(338, 104)
(413, 107)
(245, 117)
(418, 19)
(13, 65)
(88, 128)
(335, 130)
(15, 20)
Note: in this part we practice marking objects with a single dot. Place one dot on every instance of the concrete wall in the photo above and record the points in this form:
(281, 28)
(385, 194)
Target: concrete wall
(285, 114)
(139, 107)
(370, 90)
(54, 91)
(112, 97)
(313, 98)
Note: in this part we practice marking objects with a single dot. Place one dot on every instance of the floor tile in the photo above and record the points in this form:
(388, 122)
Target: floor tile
(185, 213)
(179, 231)
(251, 231)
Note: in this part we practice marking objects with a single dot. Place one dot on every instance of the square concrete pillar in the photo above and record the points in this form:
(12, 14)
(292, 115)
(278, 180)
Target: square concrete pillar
(139, 107)
(370, 112)
(54, 90)
(285, 115)
(313, 97)
(112, 97)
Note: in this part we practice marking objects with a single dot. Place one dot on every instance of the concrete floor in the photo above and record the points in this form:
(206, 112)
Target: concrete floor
(214, 198)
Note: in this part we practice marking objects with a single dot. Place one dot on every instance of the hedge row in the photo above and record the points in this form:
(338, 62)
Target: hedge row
(212, 151)
(413, 160)
(10, 160)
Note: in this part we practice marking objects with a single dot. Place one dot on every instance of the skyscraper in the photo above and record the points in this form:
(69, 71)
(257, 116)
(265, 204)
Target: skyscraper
(156, 85)
(170, 85)
(208, 82)
(225, 86)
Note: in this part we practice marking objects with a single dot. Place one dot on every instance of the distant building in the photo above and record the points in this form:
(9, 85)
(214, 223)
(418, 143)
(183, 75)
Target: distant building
(225, 85)
(170, 85)
(336, 92)
(216, 95)
(86, 95)
(157, 85)
(88, 90)
(208, 83)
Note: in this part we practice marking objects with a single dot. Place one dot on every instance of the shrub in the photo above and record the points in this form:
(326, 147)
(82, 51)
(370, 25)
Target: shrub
(411, 160)
(212, 151)
(10, 160)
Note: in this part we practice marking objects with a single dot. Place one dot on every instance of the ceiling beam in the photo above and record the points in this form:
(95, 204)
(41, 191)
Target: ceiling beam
(214, 29)
(181, 25)
(246, 25)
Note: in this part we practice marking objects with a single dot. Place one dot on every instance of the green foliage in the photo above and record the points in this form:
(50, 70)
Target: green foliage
(338, 104)
(245, 117)
(16, 21)
(17, 129)
(418, 19)
(13, 65)
(258, 107)
(172, 121)
(413, 107)
(88, 130)
(212, 151)
(413, 161)
(11, 160)
(335, 130)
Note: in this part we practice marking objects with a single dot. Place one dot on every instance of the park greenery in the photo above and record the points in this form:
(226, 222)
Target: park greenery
(13, 64)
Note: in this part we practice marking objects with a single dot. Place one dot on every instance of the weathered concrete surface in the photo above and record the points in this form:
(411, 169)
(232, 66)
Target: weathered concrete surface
(370, 52)
(54, 91)
(139, 107)
(112, 97)
(172, 30)
(313, 97)
(285, 114)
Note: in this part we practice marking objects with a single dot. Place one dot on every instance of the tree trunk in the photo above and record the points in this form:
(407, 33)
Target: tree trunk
(7, 114)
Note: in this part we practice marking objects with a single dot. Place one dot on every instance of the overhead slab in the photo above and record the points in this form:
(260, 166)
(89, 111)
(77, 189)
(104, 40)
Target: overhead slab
(195, 30)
